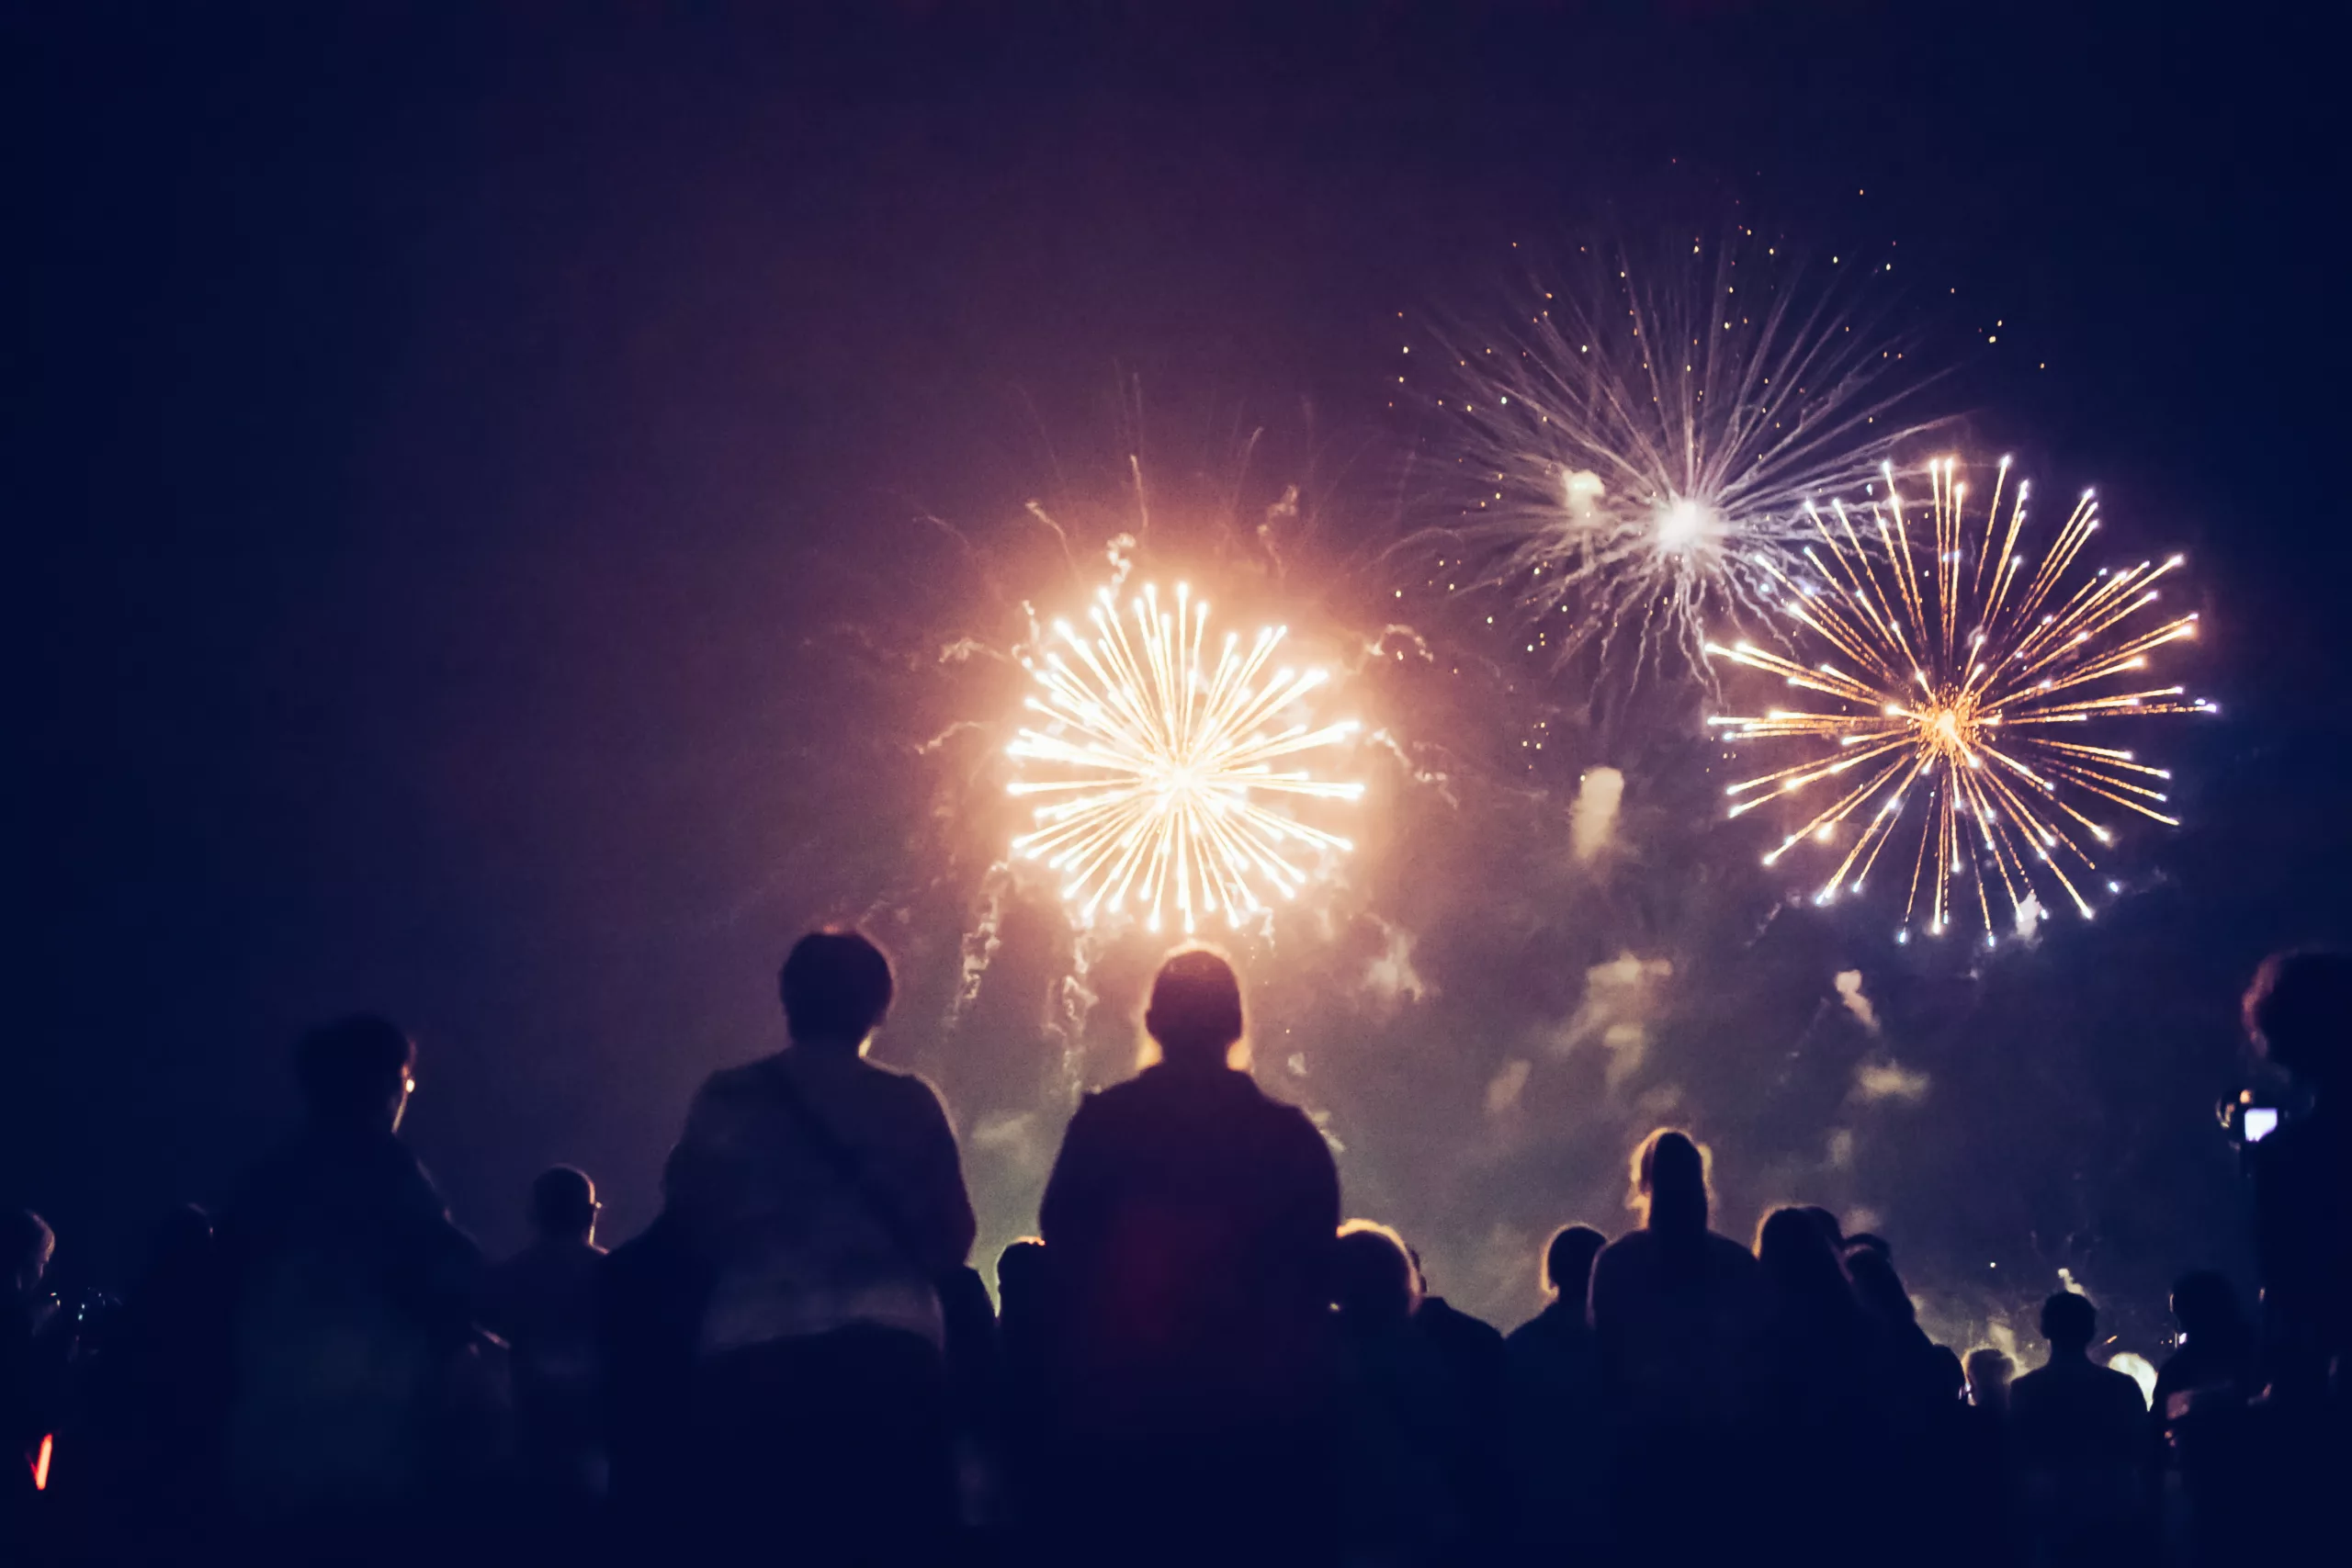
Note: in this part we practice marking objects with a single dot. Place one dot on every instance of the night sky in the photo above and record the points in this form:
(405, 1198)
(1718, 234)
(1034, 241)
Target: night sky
(483, 490)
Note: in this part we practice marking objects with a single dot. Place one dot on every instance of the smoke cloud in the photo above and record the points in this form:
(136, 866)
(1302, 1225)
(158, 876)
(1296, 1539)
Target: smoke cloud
(1592, 820)
(1504, 1088)
(1391, 976)
(1850, 991)
(1878, 1081)
(1622, 998)
(2029, 913)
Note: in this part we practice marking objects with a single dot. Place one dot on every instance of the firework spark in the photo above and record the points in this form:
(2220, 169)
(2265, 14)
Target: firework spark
(1635, 458)
(1952, 670)
(1158, 762)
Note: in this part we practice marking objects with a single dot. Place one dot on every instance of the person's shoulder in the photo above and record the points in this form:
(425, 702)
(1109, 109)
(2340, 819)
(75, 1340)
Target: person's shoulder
(1619, 1250)
(2033, 1383)
(1729, 1255)
(743, 1080)
(1128, 1097)
(2118, 1383)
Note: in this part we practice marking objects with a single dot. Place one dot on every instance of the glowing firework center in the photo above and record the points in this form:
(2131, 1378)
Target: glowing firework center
(1957, 665)
(1156, 766)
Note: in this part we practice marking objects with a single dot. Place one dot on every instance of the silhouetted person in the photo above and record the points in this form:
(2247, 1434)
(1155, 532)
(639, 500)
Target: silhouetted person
(1989, 1374)
(1676, 1311)
(1816, 1345)
(2298, 1013)
(1558, 1415)
(827, 1195)
(1986, 1519)
(1675, 1306)
(652, 1292)
(28, 1392)
(1919, 1375)
(1409, 1450)
(1190, 1223)
(351, 1302)
(1026, 1334)
(2198, 1415)
(2080, 1435)
(1474, 1353)
(2217, 1347)
(543, 1301)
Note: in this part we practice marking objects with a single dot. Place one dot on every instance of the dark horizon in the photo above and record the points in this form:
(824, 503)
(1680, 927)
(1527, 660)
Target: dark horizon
(457, 442)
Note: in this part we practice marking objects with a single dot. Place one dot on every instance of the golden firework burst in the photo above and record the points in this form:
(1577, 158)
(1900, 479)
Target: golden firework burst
(1960, 681)
(1157, 765)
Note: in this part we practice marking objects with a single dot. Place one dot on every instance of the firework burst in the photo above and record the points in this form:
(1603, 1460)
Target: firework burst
(1634, 457)
(1955, 672)
(1155, 767)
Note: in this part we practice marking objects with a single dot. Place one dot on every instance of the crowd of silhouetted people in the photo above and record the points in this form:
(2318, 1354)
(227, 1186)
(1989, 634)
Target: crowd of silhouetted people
(1198, 1358)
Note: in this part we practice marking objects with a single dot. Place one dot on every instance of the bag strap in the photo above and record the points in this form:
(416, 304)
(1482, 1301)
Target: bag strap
(847, 1168)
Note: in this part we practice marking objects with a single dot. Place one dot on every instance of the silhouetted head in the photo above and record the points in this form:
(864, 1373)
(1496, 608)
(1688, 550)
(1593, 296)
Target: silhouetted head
(1021, 1273)
(1799, 1263)
(1374, 1284)
(357, 1074)
(1195, 1016)
(2068, 1321)
(1830, 1227)
(2205, 1306)
(1567, 1261)
(564, 1205)
(1878, 1287)
(1863, 1241)
(2298, 1011)
(1670, 1182)
(1989, 1372)
(26, 1244)
(836, 990)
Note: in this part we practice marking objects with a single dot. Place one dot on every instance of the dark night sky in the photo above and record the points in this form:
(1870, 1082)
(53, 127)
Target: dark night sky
(431, 426)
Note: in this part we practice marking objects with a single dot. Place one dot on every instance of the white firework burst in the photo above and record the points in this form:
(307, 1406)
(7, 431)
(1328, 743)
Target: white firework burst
(1633, 454)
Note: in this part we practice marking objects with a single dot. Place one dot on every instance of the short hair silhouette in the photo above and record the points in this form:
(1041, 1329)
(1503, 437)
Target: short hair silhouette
(1021, 1270)
(2298, 1010)
(1831, 1226)
(1374, 1283)
(563, 1202)
(1195, 1010)
(2068, 1321)
(1567, 1260)
(26, 1244)
(2206, 1305)
(1878, 1287)
(354, 1069)
(836, 987)
(1669, 1177)
(1988, 1372)
(1864, 1240)
(1798, 1260)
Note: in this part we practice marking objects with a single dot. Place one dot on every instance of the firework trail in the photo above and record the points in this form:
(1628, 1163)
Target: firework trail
(1633, 455)
(1157, 761)
(1950, 670)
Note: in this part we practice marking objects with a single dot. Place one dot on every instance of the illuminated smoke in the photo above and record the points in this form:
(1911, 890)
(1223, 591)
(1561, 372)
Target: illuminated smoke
(1505, 1087)
(1592, 820)
(1875, 1082)
(1850, 991)
(2029, 916)
(1622, 998)
(1391, 976)
(2137, 1367)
